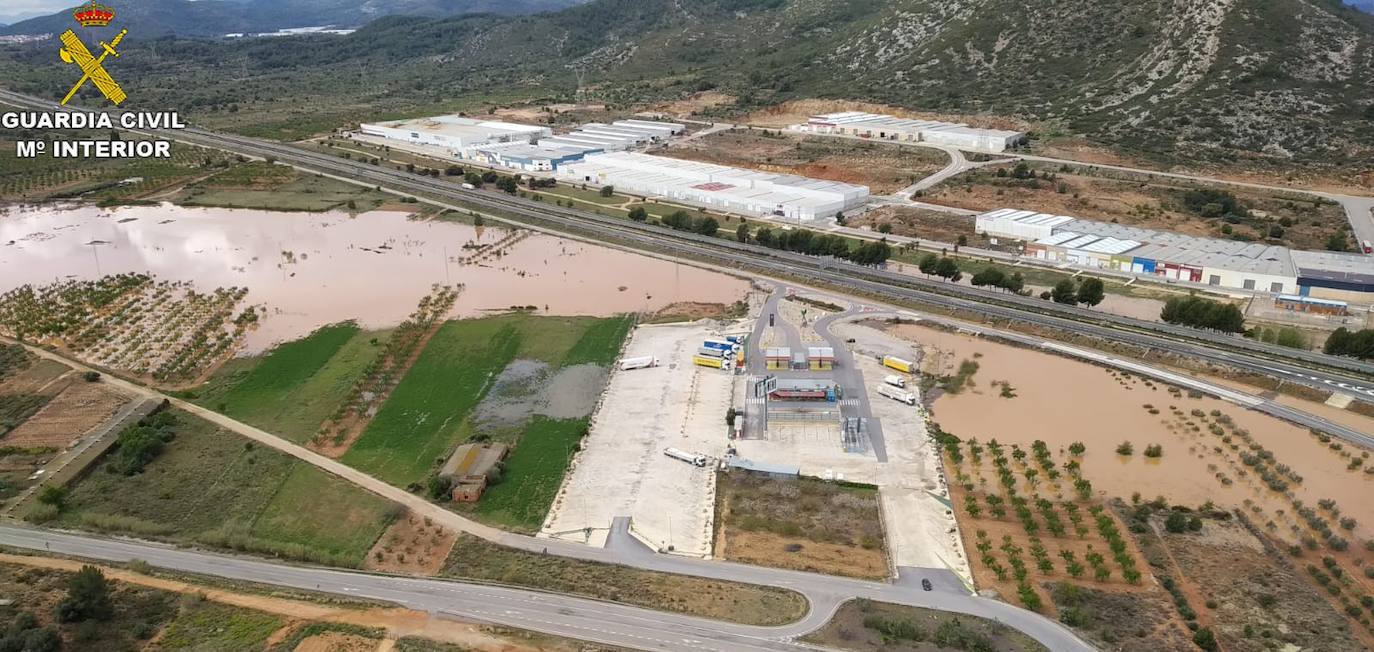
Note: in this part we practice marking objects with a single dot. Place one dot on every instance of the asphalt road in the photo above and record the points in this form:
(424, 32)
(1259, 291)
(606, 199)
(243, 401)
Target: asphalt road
(580, 618)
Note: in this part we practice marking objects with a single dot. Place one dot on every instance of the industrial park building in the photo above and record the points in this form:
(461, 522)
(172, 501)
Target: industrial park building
(455, 134)
(886, 127)
(540, 157)
(620, 135)
(718, 187)
(1232, 264)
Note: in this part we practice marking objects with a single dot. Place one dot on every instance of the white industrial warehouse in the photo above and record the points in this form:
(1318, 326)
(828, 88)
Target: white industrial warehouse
(718, 187)
(455, 134)
(1232, 264)
(515, 146)
(886, 127)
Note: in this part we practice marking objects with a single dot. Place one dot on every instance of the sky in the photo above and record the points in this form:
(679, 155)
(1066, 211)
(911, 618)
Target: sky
(16, 10)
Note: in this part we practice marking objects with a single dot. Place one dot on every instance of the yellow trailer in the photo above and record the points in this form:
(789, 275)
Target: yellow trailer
(708, 361)
(904, 366)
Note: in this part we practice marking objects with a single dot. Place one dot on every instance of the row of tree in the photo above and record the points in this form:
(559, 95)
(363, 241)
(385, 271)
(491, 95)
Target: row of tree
(1089, 291)
(1355, 344)
(1204, 313)
(684, 221)
(817, 244)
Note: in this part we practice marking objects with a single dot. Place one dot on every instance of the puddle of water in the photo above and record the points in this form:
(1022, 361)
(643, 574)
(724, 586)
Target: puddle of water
(525, 388)
(314, 269)
(1061, 401)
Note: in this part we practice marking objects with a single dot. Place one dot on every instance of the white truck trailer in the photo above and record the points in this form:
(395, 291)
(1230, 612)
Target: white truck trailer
(897, 394)
(695, 459)
(638, 363)
(895, 381)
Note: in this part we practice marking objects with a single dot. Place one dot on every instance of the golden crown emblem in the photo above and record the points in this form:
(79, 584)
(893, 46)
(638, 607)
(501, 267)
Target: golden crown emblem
(94, 15)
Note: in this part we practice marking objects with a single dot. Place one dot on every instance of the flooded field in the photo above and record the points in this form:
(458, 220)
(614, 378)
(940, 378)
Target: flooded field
(308, 270)
(1019, 396)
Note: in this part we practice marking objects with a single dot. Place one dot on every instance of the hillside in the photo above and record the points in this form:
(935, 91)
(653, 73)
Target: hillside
(1172, 79)
(213, 18)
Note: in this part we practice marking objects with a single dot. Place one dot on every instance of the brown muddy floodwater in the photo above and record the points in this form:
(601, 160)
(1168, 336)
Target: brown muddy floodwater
(310, 270)
(1061, 401)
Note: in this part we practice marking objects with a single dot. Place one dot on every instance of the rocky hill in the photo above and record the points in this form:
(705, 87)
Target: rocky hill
(1180, 79)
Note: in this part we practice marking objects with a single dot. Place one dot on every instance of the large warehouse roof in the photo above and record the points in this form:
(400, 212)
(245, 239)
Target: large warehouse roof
(1333, 266)
(723, 187)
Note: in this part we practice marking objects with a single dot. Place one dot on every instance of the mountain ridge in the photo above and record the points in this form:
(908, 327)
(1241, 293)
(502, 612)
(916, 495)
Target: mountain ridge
(1220, 80)
(215, 18)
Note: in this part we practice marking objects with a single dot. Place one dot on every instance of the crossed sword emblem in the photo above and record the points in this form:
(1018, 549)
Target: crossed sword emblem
(93, 67)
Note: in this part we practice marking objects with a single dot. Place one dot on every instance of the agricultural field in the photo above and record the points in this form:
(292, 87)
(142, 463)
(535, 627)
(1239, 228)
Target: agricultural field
(867, 626)
(161, 330)
(297, 386)
(476, 559)
(1148, 202)
(884, 169)
(1031, 520)
(373, 384)
(521, 379)
(1044, 486)
(79, 408)
(110, 181)
(28, 385)
(532, 474)
(211, 487)
(802, 524)
(269, 186)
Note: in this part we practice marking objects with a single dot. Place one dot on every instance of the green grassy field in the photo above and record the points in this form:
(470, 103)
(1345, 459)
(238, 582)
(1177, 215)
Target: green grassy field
(213, 487)
(532, 474)
(212, 627)
(601, 341)
(428, 412)
(276, 187)
(417, 423)
(293, 388)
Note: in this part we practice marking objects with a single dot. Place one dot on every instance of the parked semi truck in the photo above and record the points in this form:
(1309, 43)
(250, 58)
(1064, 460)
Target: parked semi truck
(714, 353)
(712, 362)
(892, 362)
(895, 381)
(695, 459)
(897, 394)
(722, 345)
(638, 363)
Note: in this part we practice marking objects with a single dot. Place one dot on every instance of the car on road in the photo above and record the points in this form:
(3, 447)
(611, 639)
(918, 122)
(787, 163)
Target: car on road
(925, 584)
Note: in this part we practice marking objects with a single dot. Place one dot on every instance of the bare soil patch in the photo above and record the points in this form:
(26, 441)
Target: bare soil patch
(692, 311)
(413, 545)
(866, 626)
(1137, 200)
(692, 104)
(336, 642)
(803, 524)
(921, 223)
(883, 169)
(80, 407)
(1260, 596)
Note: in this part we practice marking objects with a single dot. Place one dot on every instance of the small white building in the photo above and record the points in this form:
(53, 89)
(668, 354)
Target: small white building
(540, 157)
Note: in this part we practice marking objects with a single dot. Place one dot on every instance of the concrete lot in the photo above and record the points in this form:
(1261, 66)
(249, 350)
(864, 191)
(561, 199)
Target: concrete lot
(912, 489)
(622, 470)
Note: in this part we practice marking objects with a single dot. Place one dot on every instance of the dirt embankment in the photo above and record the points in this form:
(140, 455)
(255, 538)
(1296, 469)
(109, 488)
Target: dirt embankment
(883, 169)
